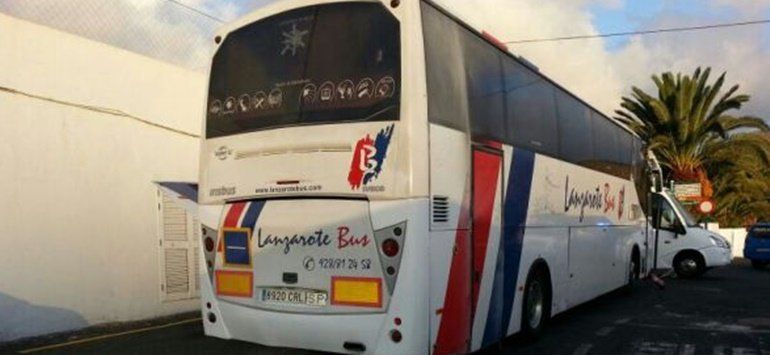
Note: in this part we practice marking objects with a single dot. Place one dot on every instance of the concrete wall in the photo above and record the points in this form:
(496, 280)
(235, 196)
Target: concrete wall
(737, 238)
(78, 211)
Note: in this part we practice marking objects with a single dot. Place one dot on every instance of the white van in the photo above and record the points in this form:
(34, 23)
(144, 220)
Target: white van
(682, 244)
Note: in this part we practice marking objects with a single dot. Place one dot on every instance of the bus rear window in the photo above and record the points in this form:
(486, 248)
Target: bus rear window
(314, 65)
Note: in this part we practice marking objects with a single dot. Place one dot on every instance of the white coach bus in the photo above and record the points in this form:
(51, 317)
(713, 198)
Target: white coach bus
(393, 181)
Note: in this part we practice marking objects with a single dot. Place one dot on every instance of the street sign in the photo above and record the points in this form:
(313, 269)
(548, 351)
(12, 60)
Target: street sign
(688, 192)
(706, 207)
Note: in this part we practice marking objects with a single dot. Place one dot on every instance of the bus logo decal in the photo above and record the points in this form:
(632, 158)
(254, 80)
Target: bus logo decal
(598, 199)
(293, 40)
(368, 157)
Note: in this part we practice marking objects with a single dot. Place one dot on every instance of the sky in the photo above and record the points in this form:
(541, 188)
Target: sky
(598, 70)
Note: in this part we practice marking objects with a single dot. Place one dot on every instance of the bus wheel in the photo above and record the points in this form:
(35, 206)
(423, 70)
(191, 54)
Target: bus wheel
(629, 287)
(689, 264)
(633, 272)
(536, 307)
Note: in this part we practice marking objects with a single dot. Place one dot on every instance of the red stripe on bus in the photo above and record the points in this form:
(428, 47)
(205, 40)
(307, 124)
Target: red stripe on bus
(454, 331)
(486, 169)
(234, 214)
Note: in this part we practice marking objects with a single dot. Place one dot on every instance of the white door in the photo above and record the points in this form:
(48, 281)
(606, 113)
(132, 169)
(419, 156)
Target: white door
(179, 237)
(670, 231)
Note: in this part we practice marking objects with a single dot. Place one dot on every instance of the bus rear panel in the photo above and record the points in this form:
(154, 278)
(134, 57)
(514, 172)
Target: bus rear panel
(308, 151)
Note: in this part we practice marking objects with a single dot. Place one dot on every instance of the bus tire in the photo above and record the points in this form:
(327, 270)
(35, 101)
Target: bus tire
(689, 264)
(536, 304)
(634, 270)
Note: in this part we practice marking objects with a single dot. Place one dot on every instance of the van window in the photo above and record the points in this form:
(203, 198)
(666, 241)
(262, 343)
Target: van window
(667, 213)
(689, 220)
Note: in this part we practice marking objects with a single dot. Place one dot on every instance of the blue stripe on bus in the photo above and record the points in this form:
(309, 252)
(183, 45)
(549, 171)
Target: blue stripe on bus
(514, 219)
(250, 218)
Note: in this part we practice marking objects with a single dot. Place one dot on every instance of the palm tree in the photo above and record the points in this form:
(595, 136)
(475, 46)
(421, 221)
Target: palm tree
(741, 179)
(690, 128)
(688, 121)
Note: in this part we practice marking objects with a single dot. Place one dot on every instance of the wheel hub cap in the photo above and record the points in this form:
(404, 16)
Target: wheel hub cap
(689, 265)
(535, 304)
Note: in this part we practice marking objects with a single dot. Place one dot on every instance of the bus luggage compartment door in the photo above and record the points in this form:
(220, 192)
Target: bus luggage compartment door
(302, 255)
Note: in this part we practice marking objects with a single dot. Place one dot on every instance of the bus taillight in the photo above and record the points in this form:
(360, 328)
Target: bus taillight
(390, 247)
(209, 244)
(390, 241)
(396, 336)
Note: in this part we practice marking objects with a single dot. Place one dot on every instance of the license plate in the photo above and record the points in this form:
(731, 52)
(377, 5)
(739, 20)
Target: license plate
(294, 296)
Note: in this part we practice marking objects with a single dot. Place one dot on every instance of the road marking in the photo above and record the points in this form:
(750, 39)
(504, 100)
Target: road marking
(583, 349)
(622, 321)
(687, 349)
(649, 347)
(706, 289)
(107, 336)
(720, 330)
(604, 331)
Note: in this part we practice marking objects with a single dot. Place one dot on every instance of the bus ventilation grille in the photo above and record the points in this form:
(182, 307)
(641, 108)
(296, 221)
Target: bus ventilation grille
(440, 209)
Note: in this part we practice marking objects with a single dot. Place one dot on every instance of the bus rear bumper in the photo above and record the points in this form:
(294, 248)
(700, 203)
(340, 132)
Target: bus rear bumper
(320, 332)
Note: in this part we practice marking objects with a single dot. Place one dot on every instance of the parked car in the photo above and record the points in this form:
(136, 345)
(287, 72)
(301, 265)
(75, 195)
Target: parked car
(757, 247)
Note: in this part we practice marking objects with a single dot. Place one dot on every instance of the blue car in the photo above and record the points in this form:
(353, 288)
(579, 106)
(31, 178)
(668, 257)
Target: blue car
(757, 247)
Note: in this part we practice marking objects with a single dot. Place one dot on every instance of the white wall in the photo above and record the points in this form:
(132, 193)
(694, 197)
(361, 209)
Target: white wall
(737, 238)
(78, 210)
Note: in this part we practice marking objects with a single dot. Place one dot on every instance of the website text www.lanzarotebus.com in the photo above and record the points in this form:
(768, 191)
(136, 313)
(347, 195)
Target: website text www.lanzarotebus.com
(285, 189)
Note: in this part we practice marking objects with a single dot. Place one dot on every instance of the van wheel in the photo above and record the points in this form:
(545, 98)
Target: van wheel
(758, 264)
(536, 307)
(689, 265)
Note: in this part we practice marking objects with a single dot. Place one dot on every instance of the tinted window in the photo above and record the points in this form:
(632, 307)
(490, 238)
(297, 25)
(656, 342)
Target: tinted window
(473, 83)
(605, 139)
(574, 129)
(643, 184)
(319, 64)
(484, 87)
(625, 152)
(531, 115)
(606, 146)
(447, 96)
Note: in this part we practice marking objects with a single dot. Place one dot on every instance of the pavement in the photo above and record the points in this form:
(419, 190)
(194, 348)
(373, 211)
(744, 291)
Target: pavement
(726, 311)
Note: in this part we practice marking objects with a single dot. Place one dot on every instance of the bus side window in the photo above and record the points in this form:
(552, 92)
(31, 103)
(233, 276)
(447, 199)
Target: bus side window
(446, 81)
(484, 81)
(575, 135)
(531, 109)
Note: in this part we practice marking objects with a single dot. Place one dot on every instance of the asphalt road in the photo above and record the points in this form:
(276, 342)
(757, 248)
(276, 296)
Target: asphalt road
(727, 311)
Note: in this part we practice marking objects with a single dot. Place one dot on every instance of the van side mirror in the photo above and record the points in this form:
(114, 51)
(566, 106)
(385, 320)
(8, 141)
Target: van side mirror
(678, 228)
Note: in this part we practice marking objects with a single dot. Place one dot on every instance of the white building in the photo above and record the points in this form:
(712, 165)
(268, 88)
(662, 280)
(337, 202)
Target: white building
(84, 129)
